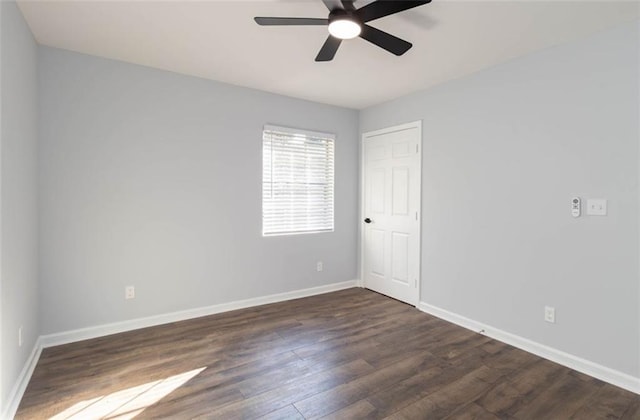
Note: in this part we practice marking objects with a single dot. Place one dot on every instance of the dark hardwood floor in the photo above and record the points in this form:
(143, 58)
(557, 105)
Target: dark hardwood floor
(343, 355)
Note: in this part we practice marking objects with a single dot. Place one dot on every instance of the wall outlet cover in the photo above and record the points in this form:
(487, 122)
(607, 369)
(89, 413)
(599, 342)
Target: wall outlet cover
(597, 207)
(550, 314)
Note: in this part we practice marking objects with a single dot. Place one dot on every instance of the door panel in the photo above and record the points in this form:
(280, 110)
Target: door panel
(377, 190)
(400, 149)
(376, 256)
(391, 185)
(400, 193)
(400, 257)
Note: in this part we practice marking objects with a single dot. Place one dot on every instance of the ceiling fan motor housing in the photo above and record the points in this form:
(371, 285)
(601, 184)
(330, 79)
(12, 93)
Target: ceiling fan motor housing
(341, 14)
(344, 24)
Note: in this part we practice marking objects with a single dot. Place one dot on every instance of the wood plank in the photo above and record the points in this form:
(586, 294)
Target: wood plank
(412, 389)
(472, 412)
(286, 413)
(610, 402)
(359, 410)
(298, 390)
(341, 396)
(633, 412)
(444, 401)
(519, 389)
(560, 400)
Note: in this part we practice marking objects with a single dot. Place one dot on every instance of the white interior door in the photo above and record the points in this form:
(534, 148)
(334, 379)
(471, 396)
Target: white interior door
(391, 211)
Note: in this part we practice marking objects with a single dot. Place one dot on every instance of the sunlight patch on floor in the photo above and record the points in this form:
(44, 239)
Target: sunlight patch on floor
(126, 403)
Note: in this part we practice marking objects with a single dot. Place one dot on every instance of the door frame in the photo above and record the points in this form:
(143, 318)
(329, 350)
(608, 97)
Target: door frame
(417, 125)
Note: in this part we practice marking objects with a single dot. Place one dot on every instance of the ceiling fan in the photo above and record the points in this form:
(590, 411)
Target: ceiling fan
(347, 22)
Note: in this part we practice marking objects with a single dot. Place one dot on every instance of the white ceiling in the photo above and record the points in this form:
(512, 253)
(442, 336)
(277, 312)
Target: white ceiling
(219, 40)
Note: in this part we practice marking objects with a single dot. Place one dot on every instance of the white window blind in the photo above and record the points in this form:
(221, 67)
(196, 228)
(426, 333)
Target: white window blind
(297, 181)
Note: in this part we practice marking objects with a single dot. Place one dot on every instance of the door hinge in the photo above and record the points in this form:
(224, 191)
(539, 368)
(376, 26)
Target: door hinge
(416, 148)
(416, 215)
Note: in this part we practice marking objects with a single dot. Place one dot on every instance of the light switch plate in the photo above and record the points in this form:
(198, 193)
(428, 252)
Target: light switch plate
(597, 207)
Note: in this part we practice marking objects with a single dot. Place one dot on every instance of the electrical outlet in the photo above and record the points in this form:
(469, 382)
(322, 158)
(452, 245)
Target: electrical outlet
(550, 314)
(597, 207)
(129, 292)
(319, 266)
(20, 336)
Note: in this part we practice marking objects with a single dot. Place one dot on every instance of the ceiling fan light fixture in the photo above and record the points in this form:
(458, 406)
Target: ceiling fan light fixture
(344, 28)
(345, 21)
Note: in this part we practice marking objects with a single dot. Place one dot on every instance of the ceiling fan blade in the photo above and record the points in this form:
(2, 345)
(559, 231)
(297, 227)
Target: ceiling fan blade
(348, 5)
(276, 21)
(332, 4)
(384, 40)
(382, 8)
(328, 50)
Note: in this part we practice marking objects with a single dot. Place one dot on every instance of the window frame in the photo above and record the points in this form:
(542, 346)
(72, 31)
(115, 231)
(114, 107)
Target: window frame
(330, 138)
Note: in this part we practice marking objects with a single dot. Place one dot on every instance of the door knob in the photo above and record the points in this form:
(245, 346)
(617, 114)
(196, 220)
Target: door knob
(367, 220)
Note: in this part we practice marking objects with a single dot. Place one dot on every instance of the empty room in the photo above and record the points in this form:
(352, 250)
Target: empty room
(304, 209)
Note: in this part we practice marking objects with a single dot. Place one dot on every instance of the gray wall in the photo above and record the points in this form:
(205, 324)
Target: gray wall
(504, 151)
(153, 179)
(18, 191)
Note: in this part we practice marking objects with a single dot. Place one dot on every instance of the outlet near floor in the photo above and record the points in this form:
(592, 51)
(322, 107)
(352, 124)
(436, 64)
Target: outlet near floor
(319, 266)
(20, 336)
(550, 314)
(129, 292)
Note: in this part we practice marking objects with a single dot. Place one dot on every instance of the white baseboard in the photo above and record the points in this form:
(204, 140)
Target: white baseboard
(23, 380)
(67, 337)
(603, 373)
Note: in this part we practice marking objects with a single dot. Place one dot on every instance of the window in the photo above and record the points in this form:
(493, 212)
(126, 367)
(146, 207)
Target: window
(297, 181)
